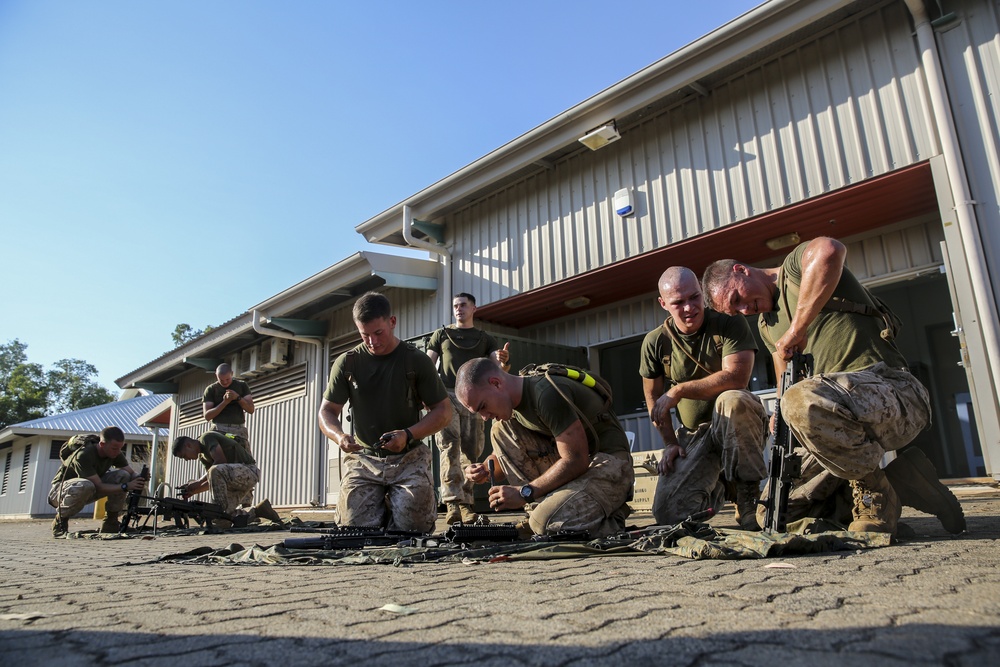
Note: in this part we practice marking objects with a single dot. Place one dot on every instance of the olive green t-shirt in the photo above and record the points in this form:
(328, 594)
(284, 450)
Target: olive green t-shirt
(543, 410)
(86, 462)
(232, 413)
(379, 390)
(838, 341)
(659, 353)
(233, 451)
(456, 346)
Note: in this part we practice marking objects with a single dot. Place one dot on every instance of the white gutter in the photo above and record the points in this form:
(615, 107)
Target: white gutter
(259, 328)
(964, 204)
(437, 250)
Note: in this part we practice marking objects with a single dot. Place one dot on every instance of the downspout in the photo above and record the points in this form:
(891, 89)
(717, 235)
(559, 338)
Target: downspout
(258, 326)
(964, 204)
(437, 250)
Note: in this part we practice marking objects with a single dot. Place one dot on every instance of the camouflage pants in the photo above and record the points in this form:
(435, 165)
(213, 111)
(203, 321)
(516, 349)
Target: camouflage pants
(845, 422)
(594, 501)
(462, 442)
(403, 485)
(230, 483)
(74, 494)
(849, 420)
(729, 446)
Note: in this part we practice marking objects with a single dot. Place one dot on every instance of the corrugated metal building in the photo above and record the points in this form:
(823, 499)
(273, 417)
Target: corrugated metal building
(29, 451)
(872, 122)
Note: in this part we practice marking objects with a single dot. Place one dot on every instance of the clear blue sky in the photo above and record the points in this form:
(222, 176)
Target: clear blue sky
(168, 162)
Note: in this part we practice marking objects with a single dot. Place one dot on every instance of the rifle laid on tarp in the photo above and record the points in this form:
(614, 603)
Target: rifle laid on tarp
(785, 465)
(348, 537)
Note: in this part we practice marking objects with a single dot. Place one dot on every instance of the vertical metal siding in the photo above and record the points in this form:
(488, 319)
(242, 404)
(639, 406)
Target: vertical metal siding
(841, 108)
(970, 55)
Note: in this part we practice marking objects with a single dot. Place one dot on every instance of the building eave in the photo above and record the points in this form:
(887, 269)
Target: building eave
(731, 43)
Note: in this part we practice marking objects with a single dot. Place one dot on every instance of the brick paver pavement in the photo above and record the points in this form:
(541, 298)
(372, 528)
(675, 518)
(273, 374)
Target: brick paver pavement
(931, 600)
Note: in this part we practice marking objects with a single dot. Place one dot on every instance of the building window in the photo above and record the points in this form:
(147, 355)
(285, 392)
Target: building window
(6, 475)
(24, 469)
(620, 367)
(54, 449)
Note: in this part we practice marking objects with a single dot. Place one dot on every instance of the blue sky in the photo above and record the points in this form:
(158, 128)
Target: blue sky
(168, 162)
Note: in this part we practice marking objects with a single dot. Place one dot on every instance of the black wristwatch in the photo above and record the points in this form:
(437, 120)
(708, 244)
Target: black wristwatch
(124, 487)
(527, 493)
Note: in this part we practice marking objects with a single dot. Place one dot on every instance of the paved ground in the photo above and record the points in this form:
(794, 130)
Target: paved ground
(932, 600)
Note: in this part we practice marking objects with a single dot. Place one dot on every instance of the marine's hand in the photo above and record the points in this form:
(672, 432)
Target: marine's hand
(137, 484)
(348, 444)
(505, 498)
(661, 409)
(793, 341)
(393, 441)
(477, 473)
(231, 396)
(670, 454)
(503, 354)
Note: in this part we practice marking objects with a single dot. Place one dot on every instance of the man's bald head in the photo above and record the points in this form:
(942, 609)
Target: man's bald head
(677, 279)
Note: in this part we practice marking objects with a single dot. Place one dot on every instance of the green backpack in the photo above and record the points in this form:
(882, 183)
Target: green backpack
(75, 444)
(584, 377)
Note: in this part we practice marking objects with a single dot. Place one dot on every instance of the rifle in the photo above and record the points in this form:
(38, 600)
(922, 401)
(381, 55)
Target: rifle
(695, 518)
(181, 511)
(132, 505)
(348, 537)
(465, 533)
(785, 465)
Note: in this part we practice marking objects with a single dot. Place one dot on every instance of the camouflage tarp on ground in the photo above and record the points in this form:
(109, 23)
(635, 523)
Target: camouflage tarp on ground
(695, 541)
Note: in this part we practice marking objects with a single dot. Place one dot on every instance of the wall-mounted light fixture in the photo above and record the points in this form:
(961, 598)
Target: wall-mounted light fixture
(779, 242)
(601, 137)
(576, 302)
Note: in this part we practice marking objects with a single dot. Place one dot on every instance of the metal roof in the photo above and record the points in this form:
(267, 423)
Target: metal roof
(123, 414)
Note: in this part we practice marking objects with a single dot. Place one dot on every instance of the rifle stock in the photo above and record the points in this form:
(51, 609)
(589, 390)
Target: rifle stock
(785, 465)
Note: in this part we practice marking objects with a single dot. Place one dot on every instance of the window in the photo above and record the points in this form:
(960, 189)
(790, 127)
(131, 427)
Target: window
(24, 469)
(6, 475)
(54, 449)
(620, 367)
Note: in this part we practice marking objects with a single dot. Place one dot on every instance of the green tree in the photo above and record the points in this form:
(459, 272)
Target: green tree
(184, 333)
(27, 391)
(72, 387)
(24, 392)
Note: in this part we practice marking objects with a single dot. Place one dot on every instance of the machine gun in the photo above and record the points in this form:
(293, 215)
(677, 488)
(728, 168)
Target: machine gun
(132, 505)
(348, 537)
(182, 511)
(785, 465)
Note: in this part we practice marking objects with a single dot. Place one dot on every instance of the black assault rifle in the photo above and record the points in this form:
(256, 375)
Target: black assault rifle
(132, 505)
(348, 537)
(785, 465)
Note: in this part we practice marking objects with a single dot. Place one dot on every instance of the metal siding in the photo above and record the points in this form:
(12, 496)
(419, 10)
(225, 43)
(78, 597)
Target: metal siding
(970, 55)
(825, 114)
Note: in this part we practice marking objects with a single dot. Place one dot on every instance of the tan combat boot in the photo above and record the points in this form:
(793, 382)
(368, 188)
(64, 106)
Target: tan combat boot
(111, 524)
(876, 505)
(468, 516)
(454, 514)
(915, 481)
(747, 494)
(263, 510)
(60, 526)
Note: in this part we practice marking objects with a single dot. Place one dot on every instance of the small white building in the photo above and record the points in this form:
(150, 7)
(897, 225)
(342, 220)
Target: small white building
(29, 451)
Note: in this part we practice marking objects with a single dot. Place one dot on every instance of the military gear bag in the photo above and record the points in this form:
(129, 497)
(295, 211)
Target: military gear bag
(584, 377)
(75, 444)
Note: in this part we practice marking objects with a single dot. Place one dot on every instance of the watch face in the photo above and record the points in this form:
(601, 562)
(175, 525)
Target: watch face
(526, 492)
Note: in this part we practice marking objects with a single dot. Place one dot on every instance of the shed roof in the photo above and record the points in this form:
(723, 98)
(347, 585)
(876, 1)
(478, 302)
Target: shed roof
(123, 414)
